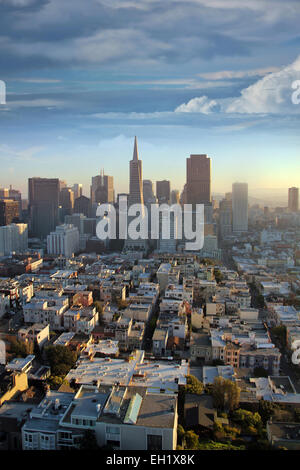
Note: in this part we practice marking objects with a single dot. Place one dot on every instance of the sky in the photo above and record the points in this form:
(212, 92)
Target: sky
(185, 76)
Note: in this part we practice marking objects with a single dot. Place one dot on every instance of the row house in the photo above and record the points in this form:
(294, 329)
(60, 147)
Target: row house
(46, 312)
(81, 319)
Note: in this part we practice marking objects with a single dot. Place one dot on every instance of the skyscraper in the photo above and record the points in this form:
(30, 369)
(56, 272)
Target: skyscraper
(9, 211)
(148, 192)
(102, 189)
(225, 217)
(135, 178)
(66, 200)
(43, 194)
(240, 207)
(82, 205)
(198, 179)
(163, 191)
(294, 199)
(77, 190)
(135, 195)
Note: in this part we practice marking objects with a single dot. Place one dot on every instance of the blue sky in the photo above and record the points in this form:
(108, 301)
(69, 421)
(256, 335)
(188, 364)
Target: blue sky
(185, 76)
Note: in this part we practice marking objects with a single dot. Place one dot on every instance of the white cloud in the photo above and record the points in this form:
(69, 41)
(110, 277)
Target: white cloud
(229, 74)
(271, 94)
(198, 105)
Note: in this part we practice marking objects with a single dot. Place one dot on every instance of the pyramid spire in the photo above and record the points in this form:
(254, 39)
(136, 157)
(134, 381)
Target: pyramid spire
(135, 151)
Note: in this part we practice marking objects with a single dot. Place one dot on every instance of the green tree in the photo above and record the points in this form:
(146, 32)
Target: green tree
(249, 422)
(191, 440)
(279, 333)
(260, 372)
(226, 394)
(61, 359)
(20, 349)
(88, 441)
(218, 275)
(193, 385)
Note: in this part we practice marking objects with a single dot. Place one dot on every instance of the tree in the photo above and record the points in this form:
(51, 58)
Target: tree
(260, 372)
(61, 359)
(193, 385)
(249, 422)
(191, 440)
(218, 275)
(226, 394)
(20, 349)
(266, 409)
(180, 433)
(88, 441)
(279, 332)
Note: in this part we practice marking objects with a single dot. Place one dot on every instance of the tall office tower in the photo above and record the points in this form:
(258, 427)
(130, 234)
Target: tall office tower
(13, 237)
(294, 199)
(135, 196)
(9, 211)
(62, 184)
(15, 195)
(148, 192)
(77, 190)
(66, 200)
(228, 196)
(102, 189)
(175, 196)
(43, 194)
(198, 179)
(64, 241)
(135, 178)
(4, 193)
(240, 207)
(82, 205)
(225, 218)
(168, 245)
(163, 191)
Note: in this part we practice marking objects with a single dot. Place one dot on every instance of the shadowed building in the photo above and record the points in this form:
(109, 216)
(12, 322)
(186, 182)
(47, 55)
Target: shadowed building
(102, 189)
(43, 205)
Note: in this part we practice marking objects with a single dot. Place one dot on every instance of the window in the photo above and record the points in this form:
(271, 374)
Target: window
(112, 430)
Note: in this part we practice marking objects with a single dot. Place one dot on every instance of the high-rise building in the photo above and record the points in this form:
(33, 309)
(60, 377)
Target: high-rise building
(66, 201)
(148, 193)
(135, 196)
(135, 178)
(4, 193)
(43, 202)
(294, 199)
(9, 211)
(225, 217)
(240, 207)
(13, 238)
(198, 180)
(169, 244)
(163, 191)
(64, 241)
(102, 189)
(175, 196)
(77, 190)
(82, 205)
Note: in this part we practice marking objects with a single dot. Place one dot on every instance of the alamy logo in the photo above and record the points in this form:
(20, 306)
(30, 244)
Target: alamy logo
(296, 94)
(166, 222)
(2, 92)
(296, 352)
